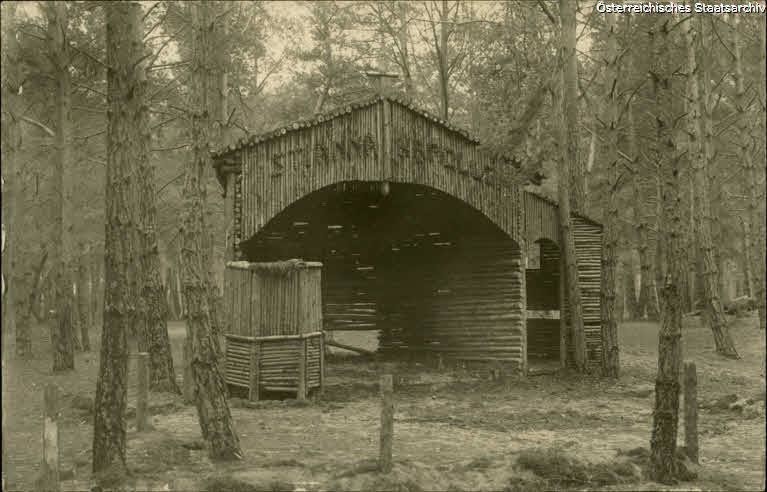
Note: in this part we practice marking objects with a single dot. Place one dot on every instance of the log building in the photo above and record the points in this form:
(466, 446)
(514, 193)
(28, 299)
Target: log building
(424, 237)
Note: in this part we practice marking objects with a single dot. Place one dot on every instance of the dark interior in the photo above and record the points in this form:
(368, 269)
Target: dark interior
(426, 269)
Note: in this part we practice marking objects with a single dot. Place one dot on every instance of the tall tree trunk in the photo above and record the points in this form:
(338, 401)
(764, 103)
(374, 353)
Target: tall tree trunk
(219, 108)
(761, 289)
(644, 304)
(83, 303)
(125, 145)
(701, 139)
(629, 276)
(663, 464)
(152, 319)
(748, 285)
(442, 54)
(15, 324)
(63, 356)
(610, 351)
(576, 179)
(567, 183)
(404, 48)
(745, 149)
(210, 394)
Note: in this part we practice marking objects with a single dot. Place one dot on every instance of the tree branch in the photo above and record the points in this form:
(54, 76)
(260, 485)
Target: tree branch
(548, 13)
(38, 124)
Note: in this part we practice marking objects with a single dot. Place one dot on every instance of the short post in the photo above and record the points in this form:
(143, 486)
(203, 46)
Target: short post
(142, 362)
(691, 411)
(188, 385)
(49, 470)
(302, 370)
(387, 422)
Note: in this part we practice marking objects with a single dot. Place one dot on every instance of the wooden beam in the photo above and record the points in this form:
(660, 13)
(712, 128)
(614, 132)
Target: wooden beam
(350, 348)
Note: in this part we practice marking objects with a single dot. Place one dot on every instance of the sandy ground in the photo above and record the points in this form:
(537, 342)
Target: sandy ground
(453, 430)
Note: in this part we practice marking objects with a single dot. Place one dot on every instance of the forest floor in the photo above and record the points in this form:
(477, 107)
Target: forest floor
(454, 430)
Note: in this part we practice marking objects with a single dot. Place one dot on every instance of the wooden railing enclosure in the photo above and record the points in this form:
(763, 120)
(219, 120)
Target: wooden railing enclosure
(274, 338)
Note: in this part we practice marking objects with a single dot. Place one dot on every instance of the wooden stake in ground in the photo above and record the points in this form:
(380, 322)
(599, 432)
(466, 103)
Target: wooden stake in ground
(387, 423)
(142, 372)
(663, 465)
(691, 411)
(209, 391)
(125, 99)
(49, 467)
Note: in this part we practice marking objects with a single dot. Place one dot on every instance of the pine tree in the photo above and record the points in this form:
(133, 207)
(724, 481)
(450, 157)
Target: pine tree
(570, 194)
(699, 135)
(663, 462)
(209, 392)
(63, 335)
(126, 146)
(610, 355)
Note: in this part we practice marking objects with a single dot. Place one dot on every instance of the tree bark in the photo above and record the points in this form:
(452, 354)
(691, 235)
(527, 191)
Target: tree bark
(629, 289)
(14, 324)
(701, 135)
(57, 31)
(126, 102)
(644, 306)
(610, 350)
(152, 319)
(403, 47)
(569, 159)
(663, 464)
(576, 176)
(210, 394)
(745, 157)
(83, 304)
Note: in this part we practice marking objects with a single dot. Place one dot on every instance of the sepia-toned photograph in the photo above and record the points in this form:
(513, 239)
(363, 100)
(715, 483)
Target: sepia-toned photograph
(385, 245)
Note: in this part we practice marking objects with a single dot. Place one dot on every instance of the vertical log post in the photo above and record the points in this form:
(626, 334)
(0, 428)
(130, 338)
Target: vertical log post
(255, 379)
(302, 369)
(387, 422)
(142, 363)
(691, 411)
(49, 469)
(188, 388)
(562, 312)
(322, 363)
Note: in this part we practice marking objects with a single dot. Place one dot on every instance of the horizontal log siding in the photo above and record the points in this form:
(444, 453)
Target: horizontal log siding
(474, 309)
(543, 295)
(277, 360)
(588, 247)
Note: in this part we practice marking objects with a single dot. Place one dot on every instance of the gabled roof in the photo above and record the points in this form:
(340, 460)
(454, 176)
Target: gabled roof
(336, 112)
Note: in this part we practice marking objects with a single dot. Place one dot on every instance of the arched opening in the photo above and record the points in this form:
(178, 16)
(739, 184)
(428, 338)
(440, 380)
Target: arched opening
(422, 269)
(542, 276)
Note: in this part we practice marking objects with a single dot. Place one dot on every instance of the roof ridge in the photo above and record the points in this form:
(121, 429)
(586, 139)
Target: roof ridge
(282, 129)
